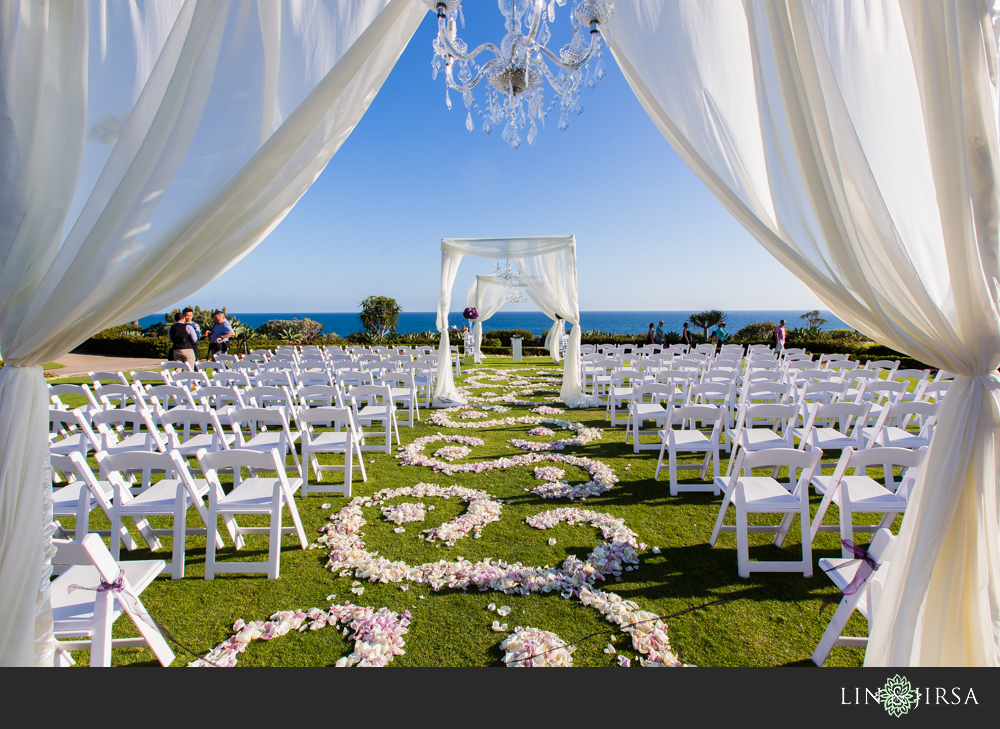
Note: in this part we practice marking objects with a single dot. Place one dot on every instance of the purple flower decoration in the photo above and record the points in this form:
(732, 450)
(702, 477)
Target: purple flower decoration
(471, 313)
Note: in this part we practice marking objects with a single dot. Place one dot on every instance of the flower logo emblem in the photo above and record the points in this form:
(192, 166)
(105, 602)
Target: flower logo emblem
(898, 697)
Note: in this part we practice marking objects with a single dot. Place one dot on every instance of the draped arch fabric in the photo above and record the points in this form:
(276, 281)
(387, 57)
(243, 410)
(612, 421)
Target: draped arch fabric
(858, 143)
(145, 148)
(487, 295)
(548, 271)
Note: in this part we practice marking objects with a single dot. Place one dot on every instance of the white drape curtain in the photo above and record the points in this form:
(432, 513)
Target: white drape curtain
(144, 149)
(487, 295)
(858, 143)
(548, 268)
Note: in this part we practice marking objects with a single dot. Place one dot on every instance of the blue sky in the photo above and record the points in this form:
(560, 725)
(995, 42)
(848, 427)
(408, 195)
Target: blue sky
(650, 236)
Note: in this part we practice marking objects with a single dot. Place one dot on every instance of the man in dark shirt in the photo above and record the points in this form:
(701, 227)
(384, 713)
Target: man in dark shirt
(182, 336)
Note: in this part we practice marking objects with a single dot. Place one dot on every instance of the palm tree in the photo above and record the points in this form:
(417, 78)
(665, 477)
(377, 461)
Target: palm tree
(706, 319)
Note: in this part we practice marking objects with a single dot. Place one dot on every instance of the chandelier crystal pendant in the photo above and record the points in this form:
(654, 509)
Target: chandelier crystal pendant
(512, 279)
(515, 89)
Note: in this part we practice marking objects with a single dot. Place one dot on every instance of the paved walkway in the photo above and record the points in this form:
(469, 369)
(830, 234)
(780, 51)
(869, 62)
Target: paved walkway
(81, 364)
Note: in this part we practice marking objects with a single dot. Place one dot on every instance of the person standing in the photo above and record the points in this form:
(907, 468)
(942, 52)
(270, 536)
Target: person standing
(189, 320)
(182, 336)
(651, 334)
(686, 336)
(720, 335)
(659, 333)
(218, 338)
(779, 336)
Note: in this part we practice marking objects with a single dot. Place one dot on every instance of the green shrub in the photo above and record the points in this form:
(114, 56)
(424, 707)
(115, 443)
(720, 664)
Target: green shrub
(504, 335)
(299, 330)
(758, 332)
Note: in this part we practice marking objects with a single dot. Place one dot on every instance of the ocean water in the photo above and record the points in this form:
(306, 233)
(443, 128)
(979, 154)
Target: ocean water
(620, 322)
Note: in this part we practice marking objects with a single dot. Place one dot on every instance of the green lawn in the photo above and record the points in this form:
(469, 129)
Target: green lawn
(777, 625)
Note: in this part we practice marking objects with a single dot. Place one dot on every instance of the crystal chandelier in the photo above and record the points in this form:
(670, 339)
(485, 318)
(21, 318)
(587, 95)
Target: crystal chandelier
(512, 279)
(515, 91)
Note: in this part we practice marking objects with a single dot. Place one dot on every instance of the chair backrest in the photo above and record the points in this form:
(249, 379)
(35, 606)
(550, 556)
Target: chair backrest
(219, 396)
(882, 364)
(935, 391)
(887, 459)
(117, 396)
(64, 423)
(336, 418)
(777, 415)
(236, 460)
(117, 466)
(143, 377)
(825, 392)
(694, 413)
(803, 461)
(918, 375)
(653, 393)
(371, 394)
(709, 393)
(166, 397)
(175, 367)
(771, 392)
(878, 391)
(267, 396)
(116, 378)
(57, 391)
(231, 378)
(626, 377)
(111, 425)
(182, 419)
(186, 379)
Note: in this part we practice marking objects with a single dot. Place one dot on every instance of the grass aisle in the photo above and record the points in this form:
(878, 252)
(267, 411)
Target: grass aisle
(771, 627)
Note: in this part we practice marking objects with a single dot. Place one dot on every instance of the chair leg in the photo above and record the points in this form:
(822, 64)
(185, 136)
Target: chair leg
(100, 639)
(659, 462)
(180, 531)
(213, 521)
(274, 536)
(742, 533)
(833, 631)
(807, 570)
(672, 457)
(721, 518)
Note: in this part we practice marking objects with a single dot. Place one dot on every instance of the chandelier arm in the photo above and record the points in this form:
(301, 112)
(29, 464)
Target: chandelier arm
(483, 71)
(443, 38)
(573, 66)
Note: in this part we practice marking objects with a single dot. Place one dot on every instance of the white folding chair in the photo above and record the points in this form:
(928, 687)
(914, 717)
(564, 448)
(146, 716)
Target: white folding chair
(82, 618)
(623, 382)
(57, 392)
(259, 437)
(891, 428)
(188, 431)
(862, 494)
(782, 420)
(404, 392)
(252, 495)
(81, 494)
(373, 404)
(763, 494)
(170, 496)
(69, 432)
(115, 437)
(115, 378)
(864, 597)
(690, 439)
(829, 427)
(649, 402)
(343, 438)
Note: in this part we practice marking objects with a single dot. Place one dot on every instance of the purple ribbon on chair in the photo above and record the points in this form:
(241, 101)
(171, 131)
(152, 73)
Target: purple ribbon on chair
(867, 566)
(135, 608)
(118, 588)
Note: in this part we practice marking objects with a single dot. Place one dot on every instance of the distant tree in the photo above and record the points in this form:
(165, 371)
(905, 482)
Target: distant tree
(379, 316)
(813, 318)
(705, 320)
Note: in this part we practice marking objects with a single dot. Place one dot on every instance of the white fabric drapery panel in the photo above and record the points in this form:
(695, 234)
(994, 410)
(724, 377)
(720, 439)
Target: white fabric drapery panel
(144, 149)
(548, 270)
(487, 295)
(858, 143)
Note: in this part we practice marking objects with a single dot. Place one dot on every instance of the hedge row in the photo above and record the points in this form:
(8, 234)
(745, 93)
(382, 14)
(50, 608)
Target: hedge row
(118, 344)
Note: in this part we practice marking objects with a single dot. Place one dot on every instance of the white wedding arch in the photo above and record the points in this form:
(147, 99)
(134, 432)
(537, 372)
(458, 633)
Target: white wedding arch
(856, 141)
(547, 266)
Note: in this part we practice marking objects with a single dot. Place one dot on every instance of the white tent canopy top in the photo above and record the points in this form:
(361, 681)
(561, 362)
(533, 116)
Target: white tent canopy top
(547, 267)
